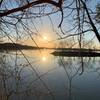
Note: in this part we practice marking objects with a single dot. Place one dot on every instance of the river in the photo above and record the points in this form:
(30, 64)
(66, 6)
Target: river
(38, 75)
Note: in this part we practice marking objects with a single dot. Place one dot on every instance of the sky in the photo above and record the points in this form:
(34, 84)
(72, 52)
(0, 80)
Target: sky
(48, 30)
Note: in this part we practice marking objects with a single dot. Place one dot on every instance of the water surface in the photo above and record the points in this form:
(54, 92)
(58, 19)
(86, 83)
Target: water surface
(38, 75)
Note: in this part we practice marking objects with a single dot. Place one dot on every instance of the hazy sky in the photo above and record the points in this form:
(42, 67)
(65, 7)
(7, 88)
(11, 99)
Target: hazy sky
(48, 26)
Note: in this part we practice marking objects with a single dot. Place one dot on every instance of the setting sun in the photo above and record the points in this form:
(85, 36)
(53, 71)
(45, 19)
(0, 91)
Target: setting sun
(45, 37)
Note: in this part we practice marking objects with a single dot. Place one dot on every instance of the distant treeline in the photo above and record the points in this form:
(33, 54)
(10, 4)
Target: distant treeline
(15, 46)
(77, 49)
(76, 53)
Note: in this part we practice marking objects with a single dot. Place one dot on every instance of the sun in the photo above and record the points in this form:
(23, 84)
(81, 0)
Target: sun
(45, 38)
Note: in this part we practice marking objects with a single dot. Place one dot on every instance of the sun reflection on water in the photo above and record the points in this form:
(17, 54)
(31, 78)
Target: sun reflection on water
(38, 57)
(44, 58)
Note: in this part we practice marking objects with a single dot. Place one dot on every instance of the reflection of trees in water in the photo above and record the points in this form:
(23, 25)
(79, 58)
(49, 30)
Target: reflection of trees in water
(18, 81)
(5, 75)
(76, 67)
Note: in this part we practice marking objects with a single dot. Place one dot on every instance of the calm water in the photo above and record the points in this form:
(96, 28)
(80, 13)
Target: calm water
(38, 75)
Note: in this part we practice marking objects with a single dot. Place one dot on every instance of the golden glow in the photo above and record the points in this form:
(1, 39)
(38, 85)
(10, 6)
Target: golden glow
(42, 39)
(44, 58)
(45, 37)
